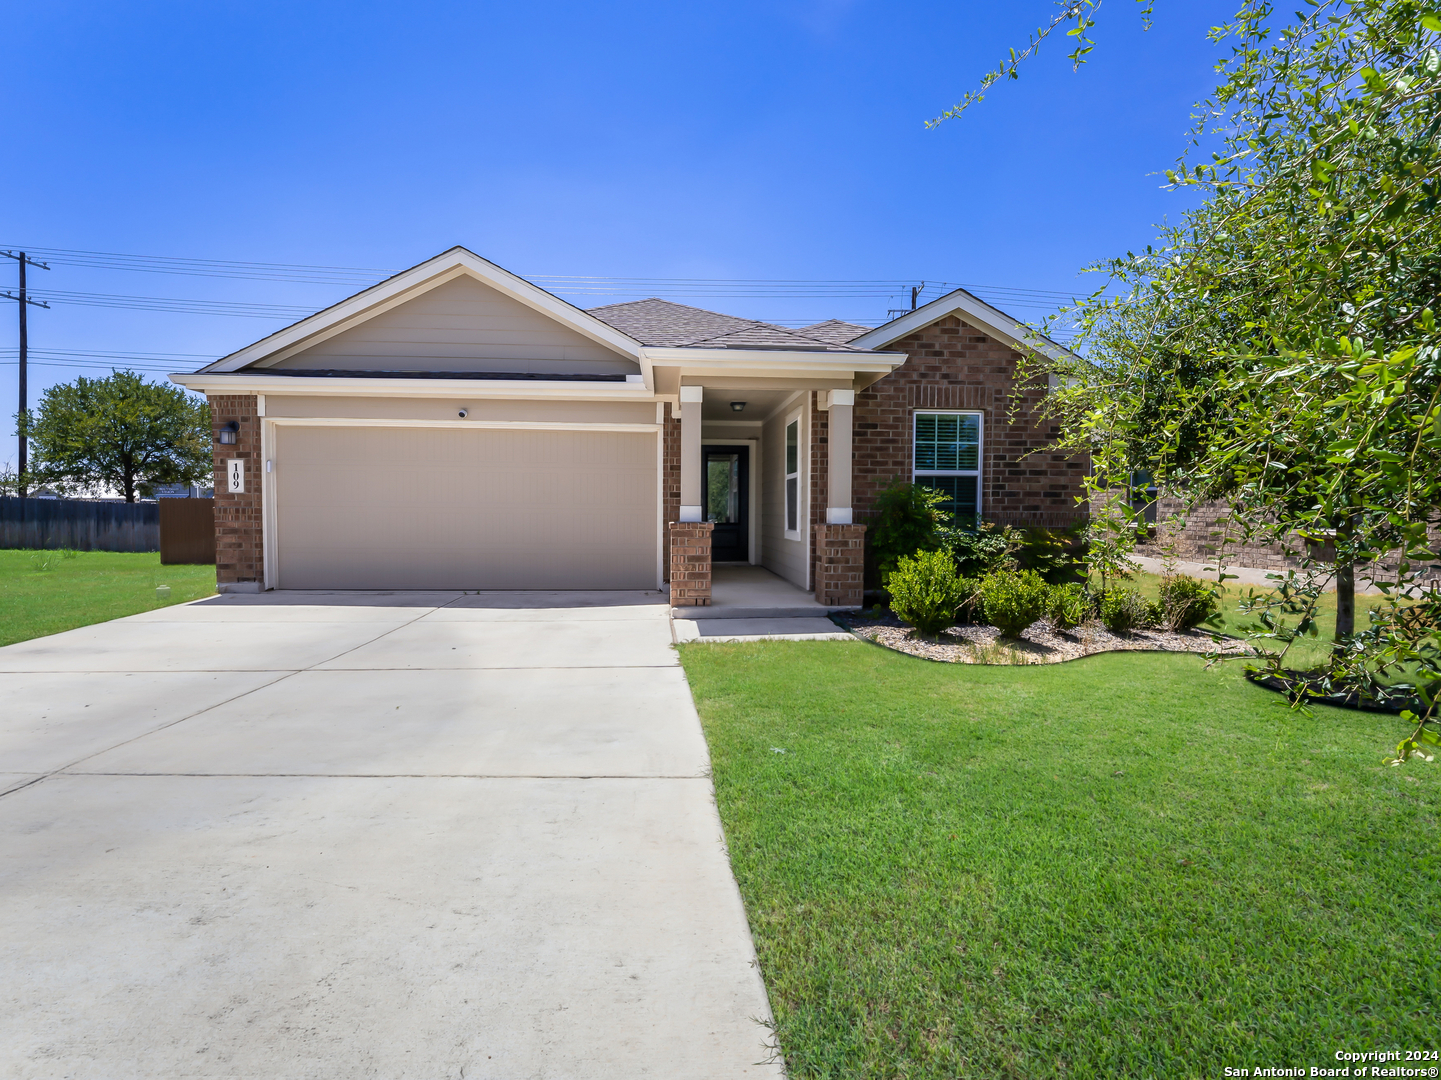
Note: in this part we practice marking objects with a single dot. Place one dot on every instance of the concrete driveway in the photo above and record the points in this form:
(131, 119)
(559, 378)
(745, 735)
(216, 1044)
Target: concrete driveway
(367, 835)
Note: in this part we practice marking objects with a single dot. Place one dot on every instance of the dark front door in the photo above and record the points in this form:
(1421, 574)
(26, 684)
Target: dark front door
(727, 501)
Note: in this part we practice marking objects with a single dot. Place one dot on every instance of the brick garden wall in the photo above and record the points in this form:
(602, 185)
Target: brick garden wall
(239, 541)
(952, 365)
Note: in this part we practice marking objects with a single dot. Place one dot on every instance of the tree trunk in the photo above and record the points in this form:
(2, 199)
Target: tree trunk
(1345, 601)
(1345, 587)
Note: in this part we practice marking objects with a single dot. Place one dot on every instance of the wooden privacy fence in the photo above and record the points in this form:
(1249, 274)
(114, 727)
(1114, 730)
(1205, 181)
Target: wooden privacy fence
(187, 531)
(79, 524)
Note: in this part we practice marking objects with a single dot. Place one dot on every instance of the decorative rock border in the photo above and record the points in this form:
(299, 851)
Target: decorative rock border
(1040, 643)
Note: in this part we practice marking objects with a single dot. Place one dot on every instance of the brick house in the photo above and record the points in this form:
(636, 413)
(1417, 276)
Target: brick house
(458, 427)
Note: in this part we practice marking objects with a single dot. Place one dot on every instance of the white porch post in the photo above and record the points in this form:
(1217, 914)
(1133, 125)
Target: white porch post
(691, 398)
(838, 463)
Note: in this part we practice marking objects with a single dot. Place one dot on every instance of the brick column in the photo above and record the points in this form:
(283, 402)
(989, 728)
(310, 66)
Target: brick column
(690, 563)
(840, 565)
(239, 540)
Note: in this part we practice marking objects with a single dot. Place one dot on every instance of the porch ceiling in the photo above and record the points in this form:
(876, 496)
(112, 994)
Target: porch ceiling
(759, 403)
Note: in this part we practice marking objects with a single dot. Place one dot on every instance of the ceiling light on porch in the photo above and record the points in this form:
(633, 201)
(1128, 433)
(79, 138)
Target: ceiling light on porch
(738, 406)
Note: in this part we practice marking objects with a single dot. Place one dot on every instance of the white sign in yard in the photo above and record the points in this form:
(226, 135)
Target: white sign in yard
(235, 471)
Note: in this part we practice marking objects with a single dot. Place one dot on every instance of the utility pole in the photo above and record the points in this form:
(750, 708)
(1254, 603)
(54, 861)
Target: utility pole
(24, 301)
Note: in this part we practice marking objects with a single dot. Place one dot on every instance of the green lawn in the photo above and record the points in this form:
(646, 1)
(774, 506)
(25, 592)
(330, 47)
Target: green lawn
(44, 592)
(1307, 653)
(1123, 866)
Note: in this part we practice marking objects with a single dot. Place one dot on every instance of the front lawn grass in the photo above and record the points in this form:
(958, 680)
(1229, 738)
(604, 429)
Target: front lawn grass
(45, 592)
(1122, 866)
(1306, 653)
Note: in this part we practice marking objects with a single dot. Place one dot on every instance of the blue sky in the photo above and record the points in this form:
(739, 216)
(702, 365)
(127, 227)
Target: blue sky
(777, 140)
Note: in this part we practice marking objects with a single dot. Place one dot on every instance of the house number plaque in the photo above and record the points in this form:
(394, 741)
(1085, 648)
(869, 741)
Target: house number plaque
(235, 472)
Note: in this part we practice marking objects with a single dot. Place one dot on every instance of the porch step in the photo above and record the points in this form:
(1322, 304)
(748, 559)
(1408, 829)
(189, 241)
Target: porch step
(798, 610)
(780, 629)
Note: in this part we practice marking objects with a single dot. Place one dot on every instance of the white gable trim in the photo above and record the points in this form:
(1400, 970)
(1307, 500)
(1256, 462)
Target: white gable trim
(407, 285)
(213, 382)
(974, 311)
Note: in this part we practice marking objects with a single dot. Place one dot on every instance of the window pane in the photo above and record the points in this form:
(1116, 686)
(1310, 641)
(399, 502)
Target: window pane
(947, 441)
(960, 493)
(722, 488)
(792, 510)
(793, 439)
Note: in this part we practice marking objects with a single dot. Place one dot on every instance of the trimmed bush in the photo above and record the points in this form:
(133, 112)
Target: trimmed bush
(1058, 555)
(906, 518)
(926, 591)
(1186, 603)
(1124, 610)
(981, 549)
(1068, 605)
(1013, 599)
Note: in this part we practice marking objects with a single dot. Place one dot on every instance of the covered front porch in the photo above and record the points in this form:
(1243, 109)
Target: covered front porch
(760, 465)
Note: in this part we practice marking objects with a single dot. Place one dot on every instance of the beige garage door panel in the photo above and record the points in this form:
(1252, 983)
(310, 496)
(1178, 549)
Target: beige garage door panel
(447, 508)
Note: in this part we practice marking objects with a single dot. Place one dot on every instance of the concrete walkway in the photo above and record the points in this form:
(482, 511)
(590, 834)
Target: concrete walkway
(341, 835)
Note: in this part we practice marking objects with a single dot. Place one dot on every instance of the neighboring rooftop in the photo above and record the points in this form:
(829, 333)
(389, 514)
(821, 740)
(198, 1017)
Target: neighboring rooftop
(666, 324)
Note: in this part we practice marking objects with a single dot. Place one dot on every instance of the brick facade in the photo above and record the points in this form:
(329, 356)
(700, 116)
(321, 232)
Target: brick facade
(239, 540)
(690, 563)
(953, 366)
(1209, 528)
(840, 564)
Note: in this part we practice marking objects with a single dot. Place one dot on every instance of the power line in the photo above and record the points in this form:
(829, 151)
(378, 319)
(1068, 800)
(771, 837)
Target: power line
(579, 284)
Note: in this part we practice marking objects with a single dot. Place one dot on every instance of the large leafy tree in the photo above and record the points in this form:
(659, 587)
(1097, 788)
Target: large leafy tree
(1278, 349)
(119, 433)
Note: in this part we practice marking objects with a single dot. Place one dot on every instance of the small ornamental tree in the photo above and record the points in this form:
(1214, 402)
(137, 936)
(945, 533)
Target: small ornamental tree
(119, 433)
(1278, 349)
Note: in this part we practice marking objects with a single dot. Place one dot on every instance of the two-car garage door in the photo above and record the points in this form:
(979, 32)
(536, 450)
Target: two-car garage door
(378, 507)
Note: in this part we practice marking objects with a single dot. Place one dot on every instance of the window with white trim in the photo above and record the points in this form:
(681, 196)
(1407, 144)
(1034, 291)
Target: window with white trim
(948, 458)
(793, 477)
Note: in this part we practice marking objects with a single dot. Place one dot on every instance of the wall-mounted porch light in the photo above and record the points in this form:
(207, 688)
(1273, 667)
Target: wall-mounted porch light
(738, 406)
(229, 433)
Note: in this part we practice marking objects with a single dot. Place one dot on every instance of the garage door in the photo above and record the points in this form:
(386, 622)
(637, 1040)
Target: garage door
(464, 508)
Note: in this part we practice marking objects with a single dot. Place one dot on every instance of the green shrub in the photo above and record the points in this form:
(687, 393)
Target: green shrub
(907, 518)
(1124, 610)
(980, 547)
(1058, 555)
(1013, 599)
(1186, 603)
(926, 591)
(1068, 605)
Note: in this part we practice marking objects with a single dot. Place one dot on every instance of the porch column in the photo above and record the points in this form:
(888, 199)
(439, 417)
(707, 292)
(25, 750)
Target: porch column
(838, 464)
(839, 545)
(691, 508)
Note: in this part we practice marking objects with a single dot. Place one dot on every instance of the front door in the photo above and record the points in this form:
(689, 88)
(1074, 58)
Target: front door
(727, 501)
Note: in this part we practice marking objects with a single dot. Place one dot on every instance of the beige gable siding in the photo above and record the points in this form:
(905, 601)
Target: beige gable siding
(462, 325)
(781, 556)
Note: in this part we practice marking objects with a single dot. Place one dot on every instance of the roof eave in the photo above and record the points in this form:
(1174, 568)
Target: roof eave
(332, 386)
(773, 362)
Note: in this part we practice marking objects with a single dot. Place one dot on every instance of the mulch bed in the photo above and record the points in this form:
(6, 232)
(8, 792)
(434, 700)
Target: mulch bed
(1314, 691)
(1040, 643)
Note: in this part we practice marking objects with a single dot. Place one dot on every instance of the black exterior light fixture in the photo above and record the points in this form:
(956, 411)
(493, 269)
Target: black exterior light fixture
(738, 406)
(229, 433)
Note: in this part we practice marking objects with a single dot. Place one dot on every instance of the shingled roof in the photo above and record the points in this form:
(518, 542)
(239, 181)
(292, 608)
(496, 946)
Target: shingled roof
(666, 324)
(834, 331)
